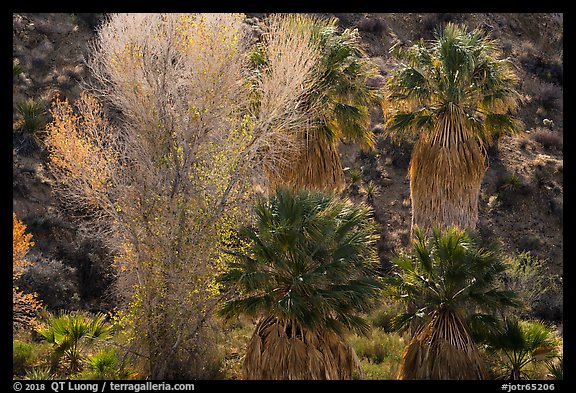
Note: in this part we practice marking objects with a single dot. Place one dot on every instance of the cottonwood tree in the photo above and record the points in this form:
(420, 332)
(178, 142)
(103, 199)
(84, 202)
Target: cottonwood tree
(166, 184)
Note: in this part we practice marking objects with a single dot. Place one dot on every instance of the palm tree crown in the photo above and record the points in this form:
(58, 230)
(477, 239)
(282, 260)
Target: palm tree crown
(521, 343)
(458, 79)
(451, 284)
(448, 270)
(344, 99)
(70, 332)
(457, 94)
(306, 275)
(310, 261)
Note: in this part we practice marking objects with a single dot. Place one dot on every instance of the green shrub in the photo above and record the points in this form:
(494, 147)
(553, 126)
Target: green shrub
(379, 346)
(510, 188)
(376, 371)
(539, 289)
(22, 356)
(17, 69)
(70, 333)
(379, 354)
(555, 368)
(372, 190)
(383, 317)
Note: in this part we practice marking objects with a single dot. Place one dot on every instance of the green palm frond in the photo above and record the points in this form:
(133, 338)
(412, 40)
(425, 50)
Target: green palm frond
(311, 261)
(459, 67)
(447, 269)
(68, 332)
(522, 342)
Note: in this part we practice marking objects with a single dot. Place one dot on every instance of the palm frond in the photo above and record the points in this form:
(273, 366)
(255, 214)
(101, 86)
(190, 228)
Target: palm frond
(307, 274)
(459, 67)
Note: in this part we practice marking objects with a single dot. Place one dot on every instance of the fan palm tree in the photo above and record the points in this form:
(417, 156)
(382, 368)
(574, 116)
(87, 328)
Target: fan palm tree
(521, 343)
(305, 276)
(344, 98)
(450, 287)
(457, 94)
(70, 332)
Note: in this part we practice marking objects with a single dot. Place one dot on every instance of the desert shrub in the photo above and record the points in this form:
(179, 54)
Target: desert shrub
(91, 20)
(108, 363)
(432, 21)
(55, 282)
(557, 208)
(539, 289)
(547, 138)
(28, 354)
(383, 317)
(529, 242)
(17, 69)
(539, 176)
(398, 150)
(369, 154)
(355, 175)
(507, 46)
(39, 222)
(538, 63)
(510, 188)
(31, 118)
(378, 346)
(371, 25)
(547, 96)
(379, 353)
(371, 190)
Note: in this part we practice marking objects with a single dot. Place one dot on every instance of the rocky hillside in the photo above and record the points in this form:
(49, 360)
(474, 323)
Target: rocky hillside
(521, 202)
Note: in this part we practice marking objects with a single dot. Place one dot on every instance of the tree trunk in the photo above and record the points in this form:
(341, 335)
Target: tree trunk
(446, 171)
(442, 350)
(317, 167)
(279, 350)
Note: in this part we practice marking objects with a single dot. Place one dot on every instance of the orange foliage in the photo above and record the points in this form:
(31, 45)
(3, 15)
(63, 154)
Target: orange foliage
(25, 305)
(21, 243)
(83, 157)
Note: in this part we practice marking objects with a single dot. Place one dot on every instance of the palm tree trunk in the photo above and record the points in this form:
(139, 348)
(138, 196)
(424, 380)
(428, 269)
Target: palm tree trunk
(317, 167)
(278, 350)
(446, 171)
(443, 350)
